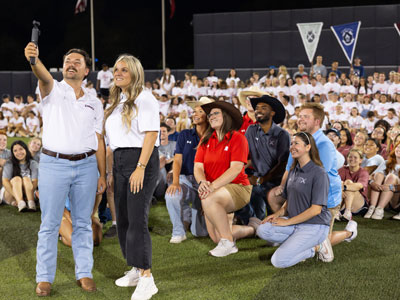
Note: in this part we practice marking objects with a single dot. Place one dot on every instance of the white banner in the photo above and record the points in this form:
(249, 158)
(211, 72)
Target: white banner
(310, 33)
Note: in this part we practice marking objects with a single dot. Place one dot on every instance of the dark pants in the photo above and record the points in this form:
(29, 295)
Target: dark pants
(132, 210)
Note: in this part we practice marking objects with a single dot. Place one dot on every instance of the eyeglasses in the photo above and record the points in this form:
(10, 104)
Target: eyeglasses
(213, 114)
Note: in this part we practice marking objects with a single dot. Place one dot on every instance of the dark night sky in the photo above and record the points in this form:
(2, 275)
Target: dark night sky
(120, 26)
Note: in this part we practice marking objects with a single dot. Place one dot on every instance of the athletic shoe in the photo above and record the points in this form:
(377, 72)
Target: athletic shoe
(347, 215)
(2, 192)
(11, 134)
(145, 289)
(370, 212)
(378, 214)
(396, 217)
(131, 278)
(31, 205)
(21, 206)
(254, 222)
(111, 232)
(177, 239)
(325, 252)
(352, 227)
(224, 248)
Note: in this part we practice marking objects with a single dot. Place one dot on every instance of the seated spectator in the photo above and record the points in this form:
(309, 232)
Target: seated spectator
(172, 133)
(355, 120)
(346, 142)
(20, 177)
(32, 125)
(183, 121)
(19, 103)
(392, 134)
(5, 154)
(379, 134)
(16, 126)
(32, 105)
(354, 185)
(334, 135)
(35, 147)
(301, 225)
(7, 107)
(3, 122)
(372, 162)
(359, 140)
(369, 123)
(219, 170)
(382, 186)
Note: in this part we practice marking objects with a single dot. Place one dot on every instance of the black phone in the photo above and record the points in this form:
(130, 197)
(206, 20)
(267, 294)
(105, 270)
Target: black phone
(35, 38)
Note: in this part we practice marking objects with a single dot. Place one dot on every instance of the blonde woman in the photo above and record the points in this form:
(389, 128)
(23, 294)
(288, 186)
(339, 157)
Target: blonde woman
(183, 122)
(132, 127)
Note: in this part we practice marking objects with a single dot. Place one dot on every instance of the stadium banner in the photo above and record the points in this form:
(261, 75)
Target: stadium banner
(347, 35)
(310, 33)
(397, 26)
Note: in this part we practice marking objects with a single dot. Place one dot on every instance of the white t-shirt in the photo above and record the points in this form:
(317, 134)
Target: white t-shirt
(345, 89)
(295, 90)
(368, 125)
(235, 79)
(393, 121)
(355, 122)
(10, 105)
(69, 124)
(284, 89)
(146, 119)
(105, 78)
(3, 123)
(20, 120)
(382, 108)
(376, 160)
(212, 79)
(394, 88)
(165, 85)
(330, 106)
(19, 107)
(335, 117)
(317, 89)
(382, 87)
(33, 107)
(31, 123)
(328, 87)
(163, 107)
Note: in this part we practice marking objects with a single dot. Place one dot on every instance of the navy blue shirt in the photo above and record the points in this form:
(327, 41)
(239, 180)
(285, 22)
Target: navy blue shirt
(187, 146)
(173, 136)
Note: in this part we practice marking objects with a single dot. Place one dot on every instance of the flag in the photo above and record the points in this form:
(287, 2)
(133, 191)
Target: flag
(172, 4)
(397, 26)
(310, 33)
(347, 35)
(80, 6)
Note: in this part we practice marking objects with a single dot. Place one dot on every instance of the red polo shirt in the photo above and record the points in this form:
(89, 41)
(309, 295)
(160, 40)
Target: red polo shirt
(246, 123)
(217, 156)
(361, 176)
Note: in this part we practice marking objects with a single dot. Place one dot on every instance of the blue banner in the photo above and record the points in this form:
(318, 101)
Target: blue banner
(347, 35)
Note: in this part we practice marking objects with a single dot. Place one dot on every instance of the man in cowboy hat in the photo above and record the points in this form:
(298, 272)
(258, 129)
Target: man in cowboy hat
(269, 150)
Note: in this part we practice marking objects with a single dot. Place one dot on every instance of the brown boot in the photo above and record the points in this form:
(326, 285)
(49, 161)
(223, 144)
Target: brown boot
(43, 289)
(87, 284)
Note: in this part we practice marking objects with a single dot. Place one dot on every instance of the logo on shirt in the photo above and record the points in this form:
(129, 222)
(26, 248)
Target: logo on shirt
(302, 180)
(272, 142)
(87, 105)
(226, 148)
(188, 142)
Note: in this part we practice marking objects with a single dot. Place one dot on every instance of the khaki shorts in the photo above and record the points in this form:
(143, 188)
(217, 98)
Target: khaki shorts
(240, 194)
(334, 211)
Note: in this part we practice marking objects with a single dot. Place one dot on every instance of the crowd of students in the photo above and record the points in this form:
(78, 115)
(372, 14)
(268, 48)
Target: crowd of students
(275, 156)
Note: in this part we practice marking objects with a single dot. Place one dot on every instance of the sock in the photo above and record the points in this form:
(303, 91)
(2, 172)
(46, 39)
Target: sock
(114, 223)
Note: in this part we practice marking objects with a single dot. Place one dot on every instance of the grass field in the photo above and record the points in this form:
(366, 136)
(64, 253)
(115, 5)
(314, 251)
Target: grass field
(367, 268)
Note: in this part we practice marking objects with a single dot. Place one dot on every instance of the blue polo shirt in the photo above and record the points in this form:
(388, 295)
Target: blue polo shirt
(327, 154)
(187, 145)
(173, 137)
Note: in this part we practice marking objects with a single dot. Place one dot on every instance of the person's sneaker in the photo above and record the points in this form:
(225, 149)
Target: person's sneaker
(254, 222)
(352, 227)
(111, 232)
(31, 205)
(369, 213)
(224, 248)
(396, 217)
(347, 215)
(11, 134)
(378, 214)
(325, 252)
(177, 239)
(2, 192)
(21, 206)
(131, 278)
(145, 289)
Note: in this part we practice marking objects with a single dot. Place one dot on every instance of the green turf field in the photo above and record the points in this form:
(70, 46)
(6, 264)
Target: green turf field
(367, 268)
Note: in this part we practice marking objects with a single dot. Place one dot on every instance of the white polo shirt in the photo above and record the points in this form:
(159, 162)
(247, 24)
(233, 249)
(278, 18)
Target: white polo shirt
(105, 78)
(70, 124)
(145, 119)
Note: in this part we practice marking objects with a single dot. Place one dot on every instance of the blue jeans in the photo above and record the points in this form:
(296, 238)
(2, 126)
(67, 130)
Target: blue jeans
(59, 179)
(179, 209)
(297, 241)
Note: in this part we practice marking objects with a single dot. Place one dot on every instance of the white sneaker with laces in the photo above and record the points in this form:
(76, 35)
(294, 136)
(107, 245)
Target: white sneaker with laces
(21, 206)
(224, 248)
(31, 205)
(378, 214)
(369, 213)
(325, 252)
(145, 289)
(131, 278)
(396, 217)
(2, 191)
(347, 215)
(352, 227)
(177, 239)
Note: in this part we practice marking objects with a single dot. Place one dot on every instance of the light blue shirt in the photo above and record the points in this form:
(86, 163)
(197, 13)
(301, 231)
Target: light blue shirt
(327, 154)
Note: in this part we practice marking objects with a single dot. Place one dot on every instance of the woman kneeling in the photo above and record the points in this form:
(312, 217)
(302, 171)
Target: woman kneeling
(301, 226)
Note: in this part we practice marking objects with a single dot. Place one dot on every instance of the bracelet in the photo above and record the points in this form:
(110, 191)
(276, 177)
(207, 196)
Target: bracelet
(140, 165)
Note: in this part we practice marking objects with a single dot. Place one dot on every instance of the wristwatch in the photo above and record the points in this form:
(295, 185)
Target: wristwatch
(140, 165)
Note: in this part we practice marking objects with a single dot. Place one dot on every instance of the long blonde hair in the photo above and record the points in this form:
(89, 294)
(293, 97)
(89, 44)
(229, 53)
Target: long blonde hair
(132, 92)
(183, 121)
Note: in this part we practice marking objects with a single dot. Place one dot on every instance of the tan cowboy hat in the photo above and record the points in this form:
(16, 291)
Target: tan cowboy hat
(202, 101)
(252, 91)
(236, 115)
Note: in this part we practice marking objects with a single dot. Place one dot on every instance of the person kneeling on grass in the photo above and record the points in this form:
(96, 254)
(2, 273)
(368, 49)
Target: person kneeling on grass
(219, 170)
(301, 225)
(20, 177)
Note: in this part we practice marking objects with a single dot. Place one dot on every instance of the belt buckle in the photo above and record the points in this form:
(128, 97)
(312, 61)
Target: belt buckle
(258, 181)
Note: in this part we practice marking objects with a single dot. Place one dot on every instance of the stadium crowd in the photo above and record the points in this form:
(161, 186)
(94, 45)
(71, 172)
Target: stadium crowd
(235, 155)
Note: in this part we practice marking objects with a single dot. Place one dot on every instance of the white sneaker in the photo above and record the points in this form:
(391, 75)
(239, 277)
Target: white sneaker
(21, 206)
(131, 278)
(352, 227)
(11, 134)
(396, 217)
(224, 248)
(31, 205)
(325, 252)
(177, 239)
(2, 192)
(378, 214)
(369, 213)
(145, 289)
(347, 215)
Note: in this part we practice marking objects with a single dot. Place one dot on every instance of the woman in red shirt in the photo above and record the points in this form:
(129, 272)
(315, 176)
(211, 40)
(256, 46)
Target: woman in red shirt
(219, 170)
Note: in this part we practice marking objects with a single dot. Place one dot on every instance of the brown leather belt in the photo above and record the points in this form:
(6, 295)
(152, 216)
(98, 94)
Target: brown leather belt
(73, 157)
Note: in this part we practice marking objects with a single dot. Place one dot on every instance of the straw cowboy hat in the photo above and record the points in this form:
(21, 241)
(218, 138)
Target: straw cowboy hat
(252, 91)
(202, 101)
(230, 109)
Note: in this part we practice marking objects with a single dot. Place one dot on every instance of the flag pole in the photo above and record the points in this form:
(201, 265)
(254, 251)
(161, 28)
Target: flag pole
(163, 32)
(92, 34)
